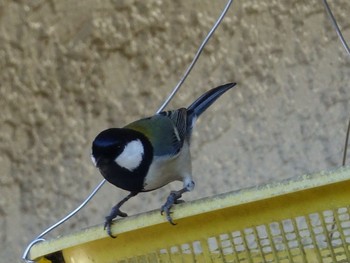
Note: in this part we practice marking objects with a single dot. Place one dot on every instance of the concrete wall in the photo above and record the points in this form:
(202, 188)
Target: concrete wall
(69, 69)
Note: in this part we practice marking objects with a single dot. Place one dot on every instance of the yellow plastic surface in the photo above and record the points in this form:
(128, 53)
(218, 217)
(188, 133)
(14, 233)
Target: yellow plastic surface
(305, 219)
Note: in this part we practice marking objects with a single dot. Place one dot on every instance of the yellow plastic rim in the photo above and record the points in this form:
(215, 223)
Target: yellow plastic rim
(297, 220)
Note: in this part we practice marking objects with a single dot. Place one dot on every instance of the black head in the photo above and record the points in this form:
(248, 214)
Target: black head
(123, 157)
(107, 146)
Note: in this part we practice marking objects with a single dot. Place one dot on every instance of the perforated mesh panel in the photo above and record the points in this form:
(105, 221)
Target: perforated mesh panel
(317, 237)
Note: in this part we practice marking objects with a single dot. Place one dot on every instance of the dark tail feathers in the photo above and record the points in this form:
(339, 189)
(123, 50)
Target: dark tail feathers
(204, 101)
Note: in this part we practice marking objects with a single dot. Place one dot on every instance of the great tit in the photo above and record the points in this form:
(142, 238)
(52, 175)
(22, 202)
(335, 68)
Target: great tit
(151, 152)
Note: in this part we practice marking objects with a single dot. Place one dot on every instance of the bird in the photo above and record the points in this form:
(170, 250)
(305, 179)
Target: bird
(150, 153)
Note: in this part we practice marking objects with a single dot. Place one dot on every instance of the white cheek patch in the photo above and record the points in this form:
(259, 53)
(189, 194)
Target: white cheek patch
(132, 155)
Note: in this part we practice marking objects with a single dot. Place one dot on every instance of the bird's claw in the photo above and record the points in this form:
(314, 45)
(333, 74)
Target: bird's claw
(107, 227)
(109, 220)
(172, 199)
(166, 209)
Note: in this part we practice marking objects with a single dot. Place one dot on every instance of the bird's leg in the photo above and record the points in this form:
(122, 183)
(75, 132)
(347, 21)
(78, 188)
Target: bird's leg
(115, 211)
(172, 199)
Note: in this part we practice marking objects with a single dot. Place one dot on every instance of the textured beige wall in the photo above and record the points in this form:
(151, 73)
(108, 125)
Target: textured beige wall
(69, 69)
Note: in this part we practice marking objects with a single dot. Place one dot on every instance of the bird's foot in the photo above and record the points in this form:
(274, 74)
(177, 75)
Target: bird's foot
(172, 199)
(109, 219)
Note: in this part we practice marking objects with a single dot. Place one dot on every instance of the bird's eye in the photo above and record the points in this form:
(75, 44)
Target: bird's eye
(118, 147)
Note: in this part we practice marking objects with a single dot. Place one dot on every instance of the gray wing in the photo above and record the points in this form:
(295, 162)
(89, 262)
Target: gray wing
(166, 131)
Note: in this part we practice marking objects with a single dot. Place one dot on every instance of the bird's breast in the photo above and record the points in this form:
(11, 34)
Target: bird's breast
(167, 169)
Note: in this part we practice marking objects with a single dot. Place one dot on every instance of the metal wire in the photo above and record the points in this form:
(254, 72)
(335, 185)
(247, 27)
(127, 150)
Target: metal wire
(336, 27)
(347, 49)
(64, 219)
(346, 144)
(200, 49)
(345, 45)
(176, 88)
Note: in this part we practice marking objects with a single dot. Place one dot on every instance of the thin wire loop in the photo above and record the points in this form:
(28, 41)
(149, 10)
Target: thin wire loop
(200, 49)
(336, 27)
(64, 219)
(177, 87)
(26, 252)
